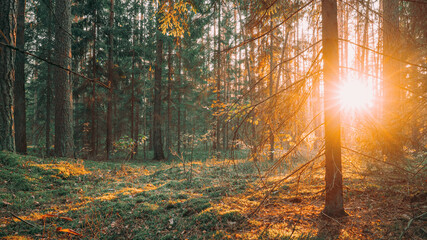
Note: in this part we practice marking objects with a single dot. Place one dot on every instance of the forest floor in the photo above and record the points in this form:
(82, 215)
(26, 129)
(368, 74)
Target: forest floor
(212, 199)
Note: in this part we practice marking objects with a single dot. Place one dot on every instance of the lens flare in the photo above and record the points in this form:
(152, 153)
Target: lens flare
(355, 95)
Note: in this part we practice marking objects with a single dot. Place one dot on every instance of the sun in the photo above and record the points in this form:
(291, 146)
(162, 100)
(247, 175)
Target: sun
(354, 95)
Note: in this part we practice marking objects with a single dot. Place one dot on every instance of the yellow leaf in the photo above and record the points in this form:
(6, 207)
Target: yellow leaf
(70, 231)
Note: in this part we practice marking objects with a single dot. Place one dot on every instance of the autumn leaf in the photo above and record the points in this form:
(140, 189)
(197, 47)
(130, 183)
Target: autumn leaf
(70, 231)
(66, 218)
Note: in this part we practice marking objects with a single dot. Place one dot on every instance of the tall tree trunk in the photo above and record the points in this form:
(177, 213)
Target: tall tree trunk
(63, 88)
(93, 150)
(272, 125)
(392, 148)
(157, 117)
(168, 129)
(19, 87)
(132, 100)
(178, 78)
(218, 81)
(48, 85)
(364, 57)
(110, 83)
(334, 206)
(7, 74)
(135, 148)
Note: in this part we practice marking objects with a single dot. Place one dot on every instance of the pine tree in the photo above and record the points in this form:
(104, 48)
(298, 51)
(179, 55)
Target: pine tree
(19, 85)
(7, 74)
(334, 206)
(64, 142)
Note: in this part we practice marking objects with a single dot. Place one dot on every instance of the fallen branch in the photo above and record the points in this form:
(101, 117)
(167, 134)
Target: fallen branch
(31, 224)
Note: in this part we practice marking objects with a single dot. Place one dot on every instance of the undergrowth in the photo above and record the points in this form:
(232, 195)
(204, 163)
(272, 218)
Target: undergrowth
(210, 199)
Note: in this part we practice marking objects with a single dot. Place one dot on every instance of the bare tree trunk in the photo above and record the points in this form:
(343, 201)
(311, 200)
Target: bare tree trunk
(218, 81)
(132, 112)
(135, 150)
(271, 83)
(7, 74)
(392, 148)
(19, 87)
(364, 57)
(48, 85)
(170, 73)
(110, 83)
(93, 150)
(157, 117)
(64, 142)
(178, 78)
(334, 206)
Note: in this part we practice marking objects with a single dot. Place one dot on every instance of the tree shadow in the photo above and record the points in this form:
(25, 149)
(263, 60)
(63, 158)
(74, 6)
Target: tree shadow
(329, 228)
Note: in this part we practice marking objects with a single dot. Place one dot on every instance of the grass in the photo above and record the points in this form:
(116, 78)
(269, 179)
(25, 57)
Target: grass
(107, 200)
(212, 199)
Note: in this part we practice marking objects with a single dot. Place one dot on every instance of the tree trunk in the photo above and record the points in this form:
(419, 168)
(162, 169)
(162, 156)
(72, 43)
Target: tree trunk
(93, 150)
(218, 81)
(157, 117)
(272, 125)
(7, 75)
(19, 87)
(48, 85)
(63, 87)
(333, 176)
(170, 73)
(392, 148)
(110, 83)
(132, 100)
(178, 78)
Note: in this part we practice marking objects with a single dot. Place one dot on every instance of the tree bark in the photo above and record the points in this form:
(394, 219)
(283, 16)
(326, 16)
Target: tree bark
(272, 125)
(218, 82)
(48, 86)
(334, 206)
(178, 78)
(109, 139)
(93, 150)
(63, 88)
(168, 129)
(7, 75)
(19, 87)
(392, 148)
(157, 117)
(132, 101)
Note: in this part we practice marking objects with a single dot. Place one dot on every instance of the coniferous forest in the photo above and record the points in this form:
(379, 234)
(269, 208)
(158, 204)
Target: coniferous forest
(213, 119)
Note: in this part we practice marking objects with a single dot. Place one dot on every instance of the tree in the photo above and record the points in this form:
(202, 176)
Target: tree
(334, 206)
(157, 117)
(7, 74)
(19, 86)
(63, 89)
(391, 34)
(169, 99)
(93, 99)
(218, 81)
(109, 141)
(48, 83)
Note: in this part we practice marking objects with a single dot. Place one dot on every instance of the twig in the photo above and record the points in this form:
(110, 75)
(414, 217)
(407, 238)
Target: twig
(409, 224)
(282, 180)
(95, 80)
(31, 224)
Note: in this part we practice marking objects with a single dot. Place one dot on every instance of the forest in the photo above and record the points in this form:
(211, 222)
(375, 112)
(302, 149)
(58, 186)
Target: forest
(213, 119)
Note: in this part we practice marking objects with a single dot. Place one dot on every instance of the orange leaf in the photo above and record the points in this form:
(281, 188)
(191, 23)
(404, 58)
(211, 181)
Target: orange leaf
(70, 231)
(66, 218)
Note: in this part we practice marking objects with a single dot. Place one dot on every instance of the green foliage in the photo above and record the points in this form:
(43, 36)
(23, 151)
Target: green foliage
(127, 145)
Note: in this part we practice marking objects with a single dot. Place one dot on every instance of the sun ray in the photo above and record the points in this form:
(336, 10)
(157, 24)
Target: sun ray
(355, 95)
